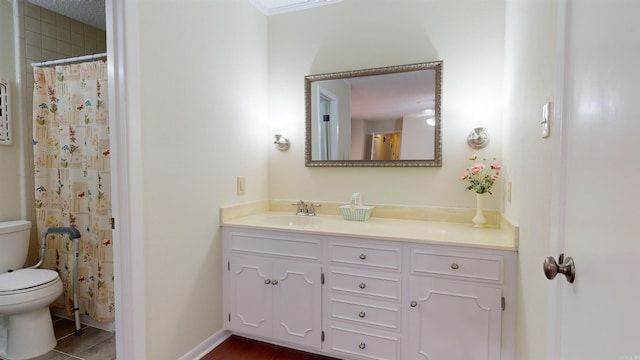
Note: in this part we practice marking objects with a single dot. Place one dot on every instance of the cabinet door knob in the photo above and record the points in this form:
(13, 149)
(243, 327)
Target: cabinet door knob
(267, 281)
(362, 314)
(274, 282)
(455, 266)
(363, 256)
(362, 345)
(363, 285)
(414, 303)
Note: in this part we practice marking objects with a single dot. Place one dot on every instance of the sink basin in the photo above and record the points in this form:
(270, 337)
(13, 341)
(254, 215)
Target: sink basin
(292, 220)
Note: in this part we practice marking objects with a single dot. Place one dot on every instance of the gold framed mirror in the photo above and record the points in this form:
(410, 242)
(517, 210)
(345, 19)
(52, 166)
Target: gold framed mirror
(388, 116)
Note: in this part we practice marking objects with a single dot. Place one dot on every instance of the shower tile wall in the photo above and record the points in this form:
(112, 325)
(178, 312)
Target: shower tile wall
(49, 36)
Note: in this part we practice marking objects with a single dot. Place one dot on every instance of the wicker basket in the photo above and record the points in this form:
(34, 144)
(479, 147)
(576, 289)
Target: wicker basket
(356, 211)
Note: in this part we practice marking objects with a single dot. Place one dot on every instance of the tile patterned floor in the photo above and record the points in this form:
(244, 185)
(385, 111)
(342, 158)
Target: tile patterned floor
(93, 344)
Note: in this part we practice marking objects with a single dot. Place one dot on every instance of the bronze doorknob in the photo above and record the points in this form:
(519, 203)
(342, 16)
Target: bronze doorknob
(565, 266)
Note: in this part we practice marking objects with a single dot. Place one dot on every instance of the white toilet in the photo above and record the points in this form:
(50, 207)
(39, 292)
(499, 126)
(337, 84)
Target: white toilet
(26, 329)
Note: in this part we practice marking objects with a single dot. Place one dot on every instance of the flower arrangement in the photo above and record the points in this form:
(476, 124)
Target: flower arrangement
(481, 177)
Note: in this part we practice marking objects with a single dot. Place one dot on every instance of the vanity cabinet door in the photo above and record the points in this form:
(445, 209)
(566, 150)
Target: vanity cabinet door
(297, 297)
(275, 298)
(251, 294)
(453, 320)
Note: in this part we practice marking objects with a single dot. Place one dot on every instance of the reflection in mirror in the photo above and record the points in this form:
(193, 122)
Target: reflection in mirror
(386, 116)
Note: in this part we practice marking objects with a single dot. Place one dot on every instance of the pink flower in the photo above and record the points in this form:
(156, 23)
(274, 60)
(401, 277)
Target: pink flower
(477, 168)
(481, 179)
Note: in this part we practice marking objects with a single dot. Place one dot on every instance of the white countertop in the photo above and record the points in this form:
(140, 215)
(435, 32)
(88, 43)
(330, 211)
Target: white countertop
(430, 232)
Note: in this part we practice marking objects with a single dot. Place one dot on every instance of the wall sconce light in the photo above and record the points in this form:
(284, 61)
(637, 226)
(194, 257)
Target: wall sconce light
(478, 138)
(282, 142)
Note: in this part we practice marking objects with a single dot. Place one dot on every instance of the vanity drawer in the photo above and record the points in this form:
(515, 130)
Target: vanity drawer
(280, 245)
(367, 313)
(462, 265)
(364, 344)
(353, 282)
(375, 256)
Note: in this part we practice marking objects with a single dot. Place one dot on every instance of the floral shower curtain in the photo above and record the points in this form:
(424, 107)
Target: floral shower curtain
(72, 179)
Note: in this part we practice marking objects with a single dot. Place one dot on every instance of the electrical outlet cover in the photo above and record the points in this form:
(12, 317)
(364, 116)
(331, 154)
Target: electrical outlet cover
(241, 185)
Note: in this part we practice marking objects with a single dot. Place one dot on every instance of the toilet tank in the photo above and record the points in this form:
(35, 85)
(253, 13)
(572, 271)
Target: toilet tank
(14, 244)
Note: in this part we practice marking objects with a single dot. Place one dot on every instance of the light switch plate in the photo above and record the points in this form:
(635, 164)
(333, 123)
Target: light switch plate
(546, 118)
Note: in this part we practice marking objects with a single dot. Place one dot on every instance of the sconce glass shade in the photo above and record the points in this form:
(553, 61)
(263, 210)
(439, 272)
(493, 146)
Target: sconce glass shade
(478, 138)
(282, 142)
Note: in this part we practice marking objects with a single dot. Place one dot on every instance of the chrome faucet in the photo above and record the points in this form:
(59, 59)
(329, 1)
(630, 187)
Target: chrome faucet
(305, 209)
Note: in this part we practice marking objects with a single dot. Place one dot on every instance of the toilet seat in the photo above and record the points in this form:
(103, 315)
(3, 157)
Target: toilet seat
(25, 289)
(25, 280)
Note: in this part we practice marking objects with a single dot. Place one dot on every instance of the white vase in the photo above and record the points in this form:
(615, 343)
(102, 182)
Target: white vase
(479, 220)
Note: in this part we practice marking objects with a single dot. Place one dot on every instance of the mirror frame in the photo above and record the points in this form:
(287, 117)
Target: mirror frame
(436, 162)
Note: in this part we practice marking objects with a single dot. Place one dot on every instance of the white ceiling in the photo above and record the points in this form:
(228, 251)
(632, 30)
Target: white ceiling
(91, 12)
(392, 96)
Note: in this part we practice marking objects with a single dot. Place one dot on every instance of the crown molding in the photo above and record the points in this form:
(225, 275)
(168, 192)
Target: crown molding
(273, 7)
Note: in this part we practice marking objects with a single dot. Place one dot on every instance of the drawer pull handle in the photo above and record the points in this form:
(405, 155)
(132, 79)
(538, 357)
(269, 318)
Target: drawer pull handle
(363, 256)
(267, 281)
(362, 314)
(362, 346)
(455, 266)
(363, 285)
(414, 303)
(274, 282)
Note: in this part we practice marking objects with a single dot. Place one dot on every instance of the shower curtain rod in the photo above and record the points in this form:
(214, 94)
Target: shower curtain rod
(70, 60)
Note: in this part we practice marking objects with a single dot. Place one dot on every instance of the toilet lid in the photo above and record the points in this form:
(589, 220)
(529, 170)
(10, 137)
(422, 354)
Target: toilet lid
(25, 278)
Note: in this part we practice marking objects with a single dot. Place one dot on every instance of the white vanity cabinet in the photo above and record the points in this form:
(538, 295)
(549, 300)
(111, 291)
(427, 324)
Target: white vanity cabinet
(273, 286)
(363, 298)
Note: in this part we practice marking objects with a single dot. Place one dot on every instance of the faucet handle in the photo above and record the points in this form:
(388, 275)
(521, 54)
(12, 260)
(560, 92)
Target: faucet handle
(311, 208)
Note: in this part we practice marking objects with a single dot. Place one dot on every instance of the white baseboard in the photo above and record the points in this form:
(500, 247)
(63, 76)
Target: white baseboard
(206, 346)
(196, 353)
(86, 320)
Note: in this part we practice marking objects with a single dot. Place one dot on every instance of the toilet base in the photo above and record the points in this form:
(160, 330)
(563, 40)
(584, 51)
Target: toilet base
(28, 335)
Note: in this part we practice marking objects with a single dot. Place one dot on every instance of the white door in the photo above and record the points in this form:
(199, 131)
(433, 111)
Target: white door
(598, 316)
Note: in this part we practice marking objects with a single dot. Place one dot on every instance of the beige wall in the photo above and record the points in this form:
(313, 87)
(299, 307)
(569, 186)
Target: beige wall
(203, 121)
(530, 80)
(10, 167)
(467, 35)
